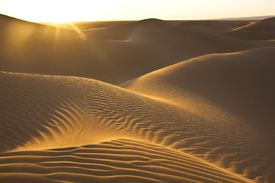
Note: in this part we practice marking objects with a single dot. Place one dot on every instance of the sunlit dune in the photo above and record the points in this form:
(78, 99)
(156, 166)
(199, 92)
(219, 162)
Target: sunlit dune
(141, 101)
(210, 77)
(65, 115)
(120, 160)
(266, 25)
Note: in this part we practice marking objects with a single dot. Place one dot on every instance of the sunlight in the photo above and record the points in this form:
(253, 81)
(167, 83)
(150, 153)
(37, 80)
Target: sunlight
(95, 10)
(60, 11)
(79, 32)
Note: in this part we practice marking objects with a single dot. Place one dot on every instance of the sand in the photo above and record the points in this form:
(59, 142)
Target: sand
(144, 101)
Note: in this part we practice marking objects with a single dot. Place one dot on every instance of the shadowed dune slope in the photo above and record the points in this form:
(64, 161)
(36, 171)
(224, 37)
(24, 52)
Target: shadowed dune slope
(113, 54)
(249, 35)
(40, 112)
(209, 24)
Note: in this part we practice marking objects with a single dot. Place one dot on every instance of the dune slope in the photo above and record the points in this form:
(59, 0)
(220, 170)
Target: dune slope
(42, 112)
(239, 83)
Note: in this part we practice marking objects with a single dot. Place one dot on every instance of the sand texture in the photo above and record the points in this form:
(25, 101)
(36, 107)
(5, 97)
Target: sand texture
(145, 101)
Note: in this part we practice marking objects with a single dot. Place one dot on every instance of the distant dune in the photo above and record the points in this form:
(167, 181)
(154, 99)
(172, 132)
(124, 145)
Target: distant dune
(145, 101)
(209, 24)
(253, 18)
(266, 25)
(113, 54)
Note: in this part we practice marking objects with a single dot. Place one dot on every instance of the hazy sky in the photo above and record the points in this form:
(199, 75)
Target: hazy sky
(85, 10)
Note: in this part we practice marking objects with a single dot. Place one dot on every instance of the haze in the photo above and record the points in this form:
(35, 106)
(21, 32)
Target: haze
(87, 10)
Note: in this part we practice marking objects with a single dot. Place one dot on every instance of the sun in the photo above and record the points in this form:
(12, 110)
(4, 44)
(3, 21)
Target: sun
(58, 11)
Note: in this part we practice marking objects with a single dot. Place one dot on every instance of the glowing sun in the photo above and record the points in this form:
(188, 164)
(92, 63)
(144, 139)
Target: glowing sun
(57, 10)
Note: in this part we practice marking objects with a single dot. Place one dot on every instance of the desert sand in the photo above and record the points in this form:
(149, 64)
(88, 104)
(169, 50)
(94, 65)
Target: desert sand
(141, 101)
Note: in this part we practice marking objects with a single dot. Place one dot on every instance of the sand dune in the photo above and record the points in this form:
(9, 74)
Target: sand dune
(45, 112)
(114, 54)
(254, 31)
(240, 83)
(253, 18)
(265, 25)
(209, 24)
(119, 160)
(250, 35)
(196, 102)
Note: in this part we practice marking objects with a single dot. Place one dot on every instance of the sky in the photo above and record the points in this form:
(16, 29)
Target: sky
(101, 10)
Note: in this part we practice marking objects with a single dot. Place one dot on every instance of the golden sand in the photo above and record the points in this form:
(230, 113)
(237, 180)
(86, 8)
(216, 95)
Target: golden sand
(145, 101)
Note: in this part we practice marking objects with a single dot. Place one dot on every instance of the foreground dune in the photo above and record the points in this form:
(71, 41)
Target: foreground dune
(41, 112)
(196, 103)
(119, 160)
